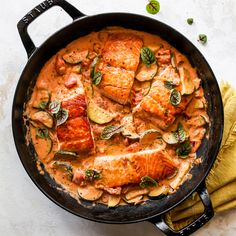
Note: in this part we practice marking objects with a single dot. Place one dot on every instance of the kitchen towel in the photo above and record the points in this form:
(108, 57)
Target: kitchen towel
(221, 181)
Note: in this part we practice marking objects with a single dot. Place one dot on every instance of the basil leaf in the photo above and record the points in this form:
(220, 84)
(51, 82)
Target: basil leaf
(175, 97)
(42, 133)
(54, 107)
(147, 181)
(61, 116)
(202, 38)
(110, 130)
(147, 56)
(97, 78)
(190, 21)
(184, 150)
(153, 7)
(93, 65)
(181, 133)
(92, 175)
(169, 84)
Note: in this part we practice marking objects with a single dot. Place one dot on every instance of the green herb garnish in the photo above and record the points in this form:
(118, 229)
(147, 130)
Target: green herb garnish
(97, 78)
(184, 149)
(202, 38)
(175, 97)
(153, 7)
(42, 133)
(54, 107)
(110, 130)
(92, 175)
(147, 181)
(169, 84)
(180, 133)
(190, 21)
(147, 56)
(93, 66)
(61, 116)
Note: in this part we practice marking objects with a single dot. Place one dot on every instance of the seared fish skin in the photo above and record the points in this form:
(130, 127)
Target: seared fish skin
(119, 61)
(75, 134)
(119, 170)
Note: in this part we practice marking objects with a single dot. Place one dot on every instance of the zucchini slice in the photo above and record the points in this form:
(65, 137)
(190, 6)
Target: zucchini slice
(89, 193)
(98, 114)
(113, 200)
(158, 192)
(145, 73)
(149, 136)
(66, 154)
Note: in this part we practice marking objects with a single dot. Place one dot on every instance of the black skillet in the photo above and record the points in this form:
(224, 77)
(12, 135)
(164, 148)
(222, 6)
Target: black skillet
(152, 210)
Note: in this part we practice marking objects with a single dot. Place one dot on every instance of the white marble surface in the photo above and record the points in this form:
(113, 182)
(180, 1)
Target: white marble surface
(24, 210)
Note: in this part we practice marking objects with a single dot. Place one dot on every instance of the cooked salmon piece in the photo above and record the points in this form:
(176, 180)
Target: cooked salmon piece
(75, 134)
(116, 83)
(119, 170)
(122, 50)
(119, 61)
(156, 106)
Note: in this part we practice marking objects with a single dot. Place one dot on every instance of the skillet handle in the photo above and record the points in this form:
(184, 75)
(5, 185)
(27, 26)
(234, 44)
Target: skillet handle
(196, 224)
(37, 11)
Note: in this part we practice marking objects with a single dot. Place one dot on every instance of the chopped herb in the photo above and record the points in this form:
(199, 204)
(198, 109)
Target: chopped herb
(202, 38)
(92, 175)
(184, 149)
(147, 56)
(190, 21)
(54, 107)
(147, 181)
(110, 130)
(153, 7)
(42, 133)
(175, 97)
(169, 84)
(61, 116)
(97, 78)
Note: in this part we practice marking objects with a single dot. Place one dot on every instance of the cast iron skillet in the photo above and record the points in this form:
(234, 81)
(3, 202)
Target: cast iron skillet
(152, 210)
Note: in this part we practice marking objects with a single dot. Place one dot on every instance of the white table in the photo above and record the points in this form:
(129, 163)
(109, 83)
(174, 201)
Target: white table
(24, 210)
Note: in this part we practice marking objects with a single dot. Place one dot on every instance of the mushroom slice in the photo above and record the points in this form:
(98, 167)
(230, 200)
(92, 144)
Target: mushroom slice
(43, 117)
(89, 193)
(113, 200)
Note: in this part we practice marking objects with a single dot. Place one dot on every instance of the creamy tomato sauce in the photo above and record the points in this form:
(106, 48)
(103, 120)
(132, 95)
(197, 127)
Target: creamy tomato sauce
(117, 117)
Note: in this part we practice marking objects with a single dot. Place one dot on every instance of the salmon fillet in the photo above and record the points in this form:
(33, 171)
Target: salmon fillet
(156, 105)
(119, 170)
(119, 61)
(75, 134)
